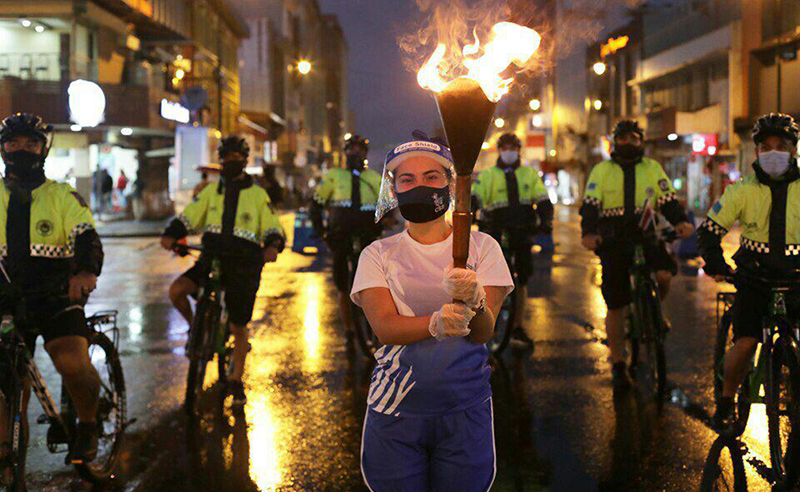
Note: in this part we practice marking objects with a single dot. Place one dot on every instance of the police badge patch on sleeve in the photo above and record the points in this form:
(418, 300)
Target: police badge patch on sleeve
(80, 199)
(664, 185)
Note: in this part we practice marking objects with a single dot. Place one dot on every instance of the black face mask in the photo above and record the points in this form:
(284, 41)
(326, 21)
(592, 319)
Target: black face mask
(232, 169)
(355, 162)
(24, 165)
(424, 203)
(628, 152)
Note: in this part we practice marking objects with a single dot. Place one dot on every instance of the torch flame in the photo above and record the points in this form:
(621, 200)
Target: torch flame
(509, 44)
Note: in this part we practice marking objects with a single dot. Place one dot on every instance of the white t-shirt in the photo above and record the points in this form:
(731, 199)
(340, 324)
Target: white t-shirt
(427, 378)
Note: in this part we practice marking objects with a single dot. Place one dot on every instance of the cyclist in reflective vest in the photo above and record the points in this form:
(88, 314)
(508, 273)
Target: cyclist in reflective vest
(48, 241)
(349, 195)
(513, 198)
(767, 206)
(236, 218)
(619, 191)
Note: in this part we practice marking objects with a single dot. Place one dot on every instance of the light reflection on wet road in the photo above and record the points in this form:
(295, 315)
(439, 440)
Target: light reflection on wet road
(558, 424)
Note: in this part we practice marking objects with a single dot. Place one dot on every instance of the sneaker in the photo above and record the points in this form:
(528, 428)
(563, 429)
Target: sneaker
(725, 416)
(520, 338)
(620, 377)
(237, 391)
(84, 447)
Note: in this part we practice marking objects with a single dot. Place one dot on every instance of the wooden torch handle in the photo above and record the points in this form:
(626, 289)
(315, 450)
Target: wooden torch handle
(462, 221)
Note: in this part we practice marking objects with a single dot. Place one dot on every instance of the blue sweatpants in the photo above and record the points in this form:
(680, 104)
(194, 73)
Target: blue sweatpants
(453, 452)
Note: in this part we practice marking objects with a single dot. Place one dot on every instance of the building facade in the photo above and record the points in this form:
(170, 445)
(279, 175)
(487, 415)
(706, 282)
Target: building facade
(112, 76)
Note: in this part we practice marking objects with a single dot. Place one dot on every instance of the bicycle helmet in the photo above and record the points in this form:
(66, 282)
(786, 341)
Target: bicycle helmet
(777, 125)
(356, 140)
(625, 127)
(232, 144)
(26, 124)
(509, 139)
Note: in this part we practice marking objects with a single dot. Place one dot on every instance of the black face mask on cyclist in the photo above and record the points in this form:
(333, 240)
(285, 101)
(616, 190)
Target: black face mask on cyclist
(232, 169)
(424, 203)
(628, 152)
(24, 166)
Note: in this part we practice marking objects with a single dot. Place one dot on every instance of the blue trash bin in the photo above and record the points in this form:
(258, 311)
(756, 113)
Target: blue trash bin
(305, 241)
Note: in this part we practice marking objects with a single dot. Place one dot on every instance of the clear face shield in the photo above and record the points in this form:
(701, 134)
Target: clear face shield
(411, 165)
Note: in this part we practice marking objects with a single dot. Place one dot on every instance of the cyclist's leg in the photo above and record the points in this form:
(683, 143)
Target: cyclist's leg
(523, 261)
(65, 339)
(748, 310)
(616, 291)
(241, 282)
(664, 264)
(184, 286)
(341, 277)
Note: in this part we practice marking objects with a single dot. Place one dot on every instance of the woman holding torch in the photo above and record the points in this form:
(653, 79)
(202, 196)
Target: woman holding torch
(429, 418)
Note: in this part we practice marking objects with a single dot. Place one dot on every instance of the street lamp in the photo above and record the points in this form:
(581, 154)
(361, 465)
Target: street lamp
(598, 104)
(599, 68)
(304, 67)
(499, 122)
(535, 104)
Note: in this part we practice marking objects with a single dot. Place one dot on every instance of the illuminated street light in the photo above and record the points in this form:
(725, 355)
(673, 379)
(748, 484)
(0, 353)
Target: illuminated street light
(180, 74)
(348, 136)
(598, 104)
(537, 121)
(599, 68)
(535, 104)
(499, 122)
(304, 67)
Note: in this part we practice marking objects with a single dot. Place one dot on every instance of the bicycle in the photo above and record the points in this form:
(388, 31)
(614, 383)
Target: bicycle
(504, 322)
(775, 369)
(646, 329)
(367, 340)
(17, 365)
(209, 336)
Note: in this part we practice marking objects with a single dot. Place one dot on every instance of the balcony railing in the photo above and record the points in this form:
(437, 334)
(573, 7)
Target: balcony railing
(31, 66)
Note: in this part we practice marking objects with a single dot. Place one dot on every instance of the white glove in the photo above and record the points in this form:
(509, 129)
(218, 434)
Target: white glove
(463, 285)
(452, 321)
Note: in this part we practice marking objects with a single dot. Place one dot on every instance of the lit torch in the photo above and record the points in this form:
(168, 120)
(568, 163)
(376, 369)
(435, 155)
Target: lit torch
(466, 106)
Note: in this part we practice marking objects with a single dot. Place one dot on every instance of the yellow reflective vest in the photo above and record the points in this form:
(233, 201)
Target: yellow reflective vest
(256, 220)
(58, 215)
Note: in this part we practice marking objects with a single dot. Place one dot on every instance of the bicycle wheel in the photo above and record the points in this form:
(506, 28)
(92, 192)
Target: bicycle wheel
(503, 325)
(16, 453)
(655, 341)
(200, 351)
(783, 413)
(723, 343)
(721, 474)
(111, 409)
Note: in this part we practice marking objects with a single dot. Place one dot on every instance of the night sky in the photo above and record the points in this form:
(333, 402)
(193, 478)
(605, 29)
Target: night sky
(387, 102)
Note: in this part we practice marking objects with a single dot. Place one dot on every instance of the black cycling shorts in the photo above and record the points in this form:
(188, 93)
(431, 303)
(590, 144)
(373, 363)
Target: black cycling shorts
(519, 248)
(341, 246)
(51, 319)
(751, 306)
(617, 261)
(240, 281)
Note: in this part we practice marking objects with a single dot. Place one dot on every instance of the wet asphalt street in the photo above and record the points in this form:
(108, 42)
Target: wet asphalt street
(558, 424)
